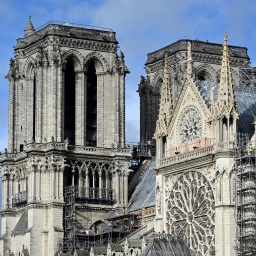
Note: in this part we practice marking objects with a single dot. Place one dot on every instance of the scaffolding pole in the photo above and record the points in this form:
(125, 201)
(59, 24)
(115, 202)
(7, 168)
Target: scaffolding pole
(245, 169)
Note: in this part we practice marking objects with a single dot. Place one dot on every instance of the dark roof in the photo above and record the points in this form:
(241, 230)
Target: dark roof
(144, 195)
(167, 246)
(197, 47)
(246, 99)
(22, 224)
(68, 30)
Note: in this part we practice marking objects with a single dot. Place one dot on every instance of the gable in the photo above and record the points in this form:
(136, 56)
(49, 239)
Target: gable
(188, 122)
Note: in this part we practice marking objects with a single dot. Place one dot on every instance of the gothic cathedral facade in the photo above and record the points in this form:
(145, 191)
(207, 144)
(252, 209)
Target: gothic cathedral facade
(196, 174)
(66, 129)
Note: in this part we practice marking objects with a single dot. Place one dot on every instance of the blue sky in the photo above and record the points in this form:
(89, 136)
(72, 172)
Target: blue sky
(142, 26)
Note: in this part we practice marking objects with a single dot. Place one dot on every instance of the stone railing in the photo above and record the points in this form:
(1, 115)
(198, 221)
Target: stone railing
(185, 157)
(44, 147)
(148, 212)
(102, 194)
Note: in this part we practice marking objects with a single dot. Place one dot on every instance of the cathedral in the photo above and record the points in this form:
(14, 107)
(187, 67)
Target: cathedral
(71, 185)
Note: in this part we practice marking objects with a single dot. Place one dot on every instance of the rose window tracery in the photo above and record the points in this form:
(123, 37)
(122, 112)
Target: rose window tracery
(190, 213)
(190, 125)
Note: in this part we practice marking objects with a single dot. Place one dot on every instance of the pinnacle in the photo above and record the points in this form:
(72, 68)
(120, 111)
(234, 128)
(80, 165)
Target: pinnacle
(29, 29)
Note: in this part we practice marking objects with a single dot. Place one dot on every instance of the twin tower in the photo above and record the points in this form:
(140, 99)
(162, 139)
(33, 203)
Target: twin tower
(66, 128)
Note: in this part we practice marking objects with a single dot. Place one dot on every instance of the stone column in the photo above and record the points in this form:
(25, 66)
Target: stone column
(117, 188)
(80, 182)
(4, 193)
(126, 188)
(93, 183)
(79, 110)
(121, 186)
(107, 180)
(86, 182)
(100, 184)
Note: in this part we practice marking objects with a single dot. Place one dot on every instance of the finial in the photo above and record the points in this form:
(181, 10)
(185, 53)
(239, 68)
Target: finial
(189, 60)
(29, 29)
(225, 38)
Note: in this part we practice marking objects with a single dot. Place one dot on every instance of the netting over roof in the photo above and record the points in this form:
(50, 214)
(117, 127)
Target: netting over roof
(167, 245)
(246, 99)
(144, 194)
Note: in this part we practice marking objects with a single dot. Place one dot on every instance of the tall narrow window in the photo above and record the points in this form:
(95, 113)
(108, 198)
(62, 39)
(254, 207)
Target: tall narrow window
(34, 109)
(91, 108)
(164, 147)
(69, 102)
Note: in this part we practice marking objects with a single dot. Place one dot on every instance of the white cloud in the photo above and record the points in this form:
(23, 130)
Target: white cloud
(142, 26)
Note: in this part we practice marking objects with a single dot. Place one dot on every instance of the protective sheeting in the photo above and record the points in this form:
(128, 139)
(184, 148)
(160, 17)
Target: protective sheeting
(167, 247)
(22, 224)
(144, 195)
(246, 99)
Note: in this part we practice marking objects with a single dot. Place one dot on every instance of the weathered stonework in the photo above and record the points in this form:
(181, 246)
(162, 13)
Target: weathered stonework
(42, 159)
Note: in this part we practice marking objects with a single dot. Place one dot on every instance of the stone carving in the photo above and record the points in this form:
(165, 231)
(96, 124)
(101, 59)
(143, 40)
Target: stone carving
(190, 213)
(158, 199)
(190, 126)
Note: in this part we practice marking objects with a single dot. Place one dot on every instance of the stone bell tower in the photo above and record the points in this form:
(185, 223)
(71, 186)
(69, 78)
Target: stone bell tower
(66, 128)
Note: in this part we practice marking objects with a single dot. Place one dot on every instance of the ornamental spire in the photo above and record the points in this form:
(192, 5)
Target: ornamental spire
(166, 99)
(189, 61)
(226, 91)
(165, 106)
(29, 29)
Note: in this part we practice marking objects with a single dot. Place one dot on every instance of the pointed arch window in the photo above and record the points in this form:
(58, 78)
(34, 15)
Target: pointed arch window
(34, 109)
(69, 102)
(91, 107)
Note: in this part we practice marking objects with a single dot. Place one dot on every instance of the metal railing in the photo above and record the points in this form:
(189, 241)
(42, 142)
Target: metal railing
(20, 198)
(101, 194)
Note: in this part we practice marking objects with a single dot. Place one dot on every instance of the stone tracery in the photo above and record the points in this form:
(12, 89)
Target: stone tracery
(190, 126)
(190, 213)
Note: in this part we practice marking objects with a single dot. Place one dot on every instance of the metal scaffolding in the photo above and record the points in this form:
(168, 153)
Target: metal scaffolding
(245, 168)
(82, 235)
(247, 77)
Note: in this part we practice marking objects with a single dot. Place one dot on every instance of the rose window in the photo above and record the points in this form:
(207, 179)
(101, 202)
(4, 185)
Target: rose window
(190, 213)
(190, 126)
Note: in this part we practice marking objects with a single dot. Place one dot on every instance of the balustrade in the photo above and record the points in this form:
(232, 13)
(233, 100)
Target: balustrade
(20, 198)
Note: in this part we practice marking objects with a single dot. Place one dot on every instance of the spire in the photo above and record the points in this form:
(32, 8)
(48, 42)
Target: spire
(225, 92)
(189, 61)
(29, 29)
(166, 99)
(165, 106)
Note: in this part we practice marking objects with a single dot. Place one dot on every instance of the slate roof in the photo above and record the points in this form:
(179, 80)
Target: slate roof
(144, 195)
(246, 99)
(199, 47)
(22, 224)
(68, 30)
(167, 247)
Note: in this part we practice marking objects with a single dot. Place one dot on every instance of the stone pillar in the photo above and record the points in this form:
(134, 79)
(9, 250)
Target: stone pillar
(126, 188)
(121, 191)
(100, 183)
(86, 182)
(4, 192)
(80, 182)
(107, 180)
(10, 192)
(117, 188)
(79, 110)
(93, 183)
(51, 183)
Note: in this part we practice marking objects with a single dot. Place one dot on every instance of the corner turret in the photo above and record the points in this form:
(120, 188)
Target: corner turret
(29, 29)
